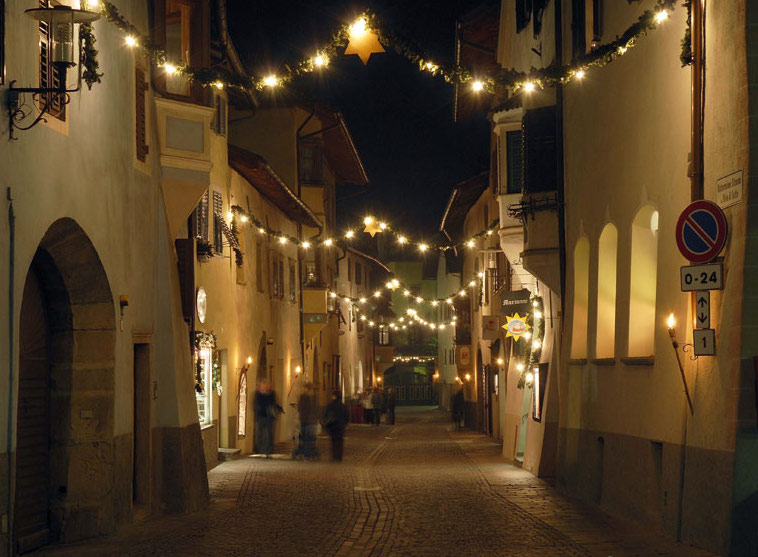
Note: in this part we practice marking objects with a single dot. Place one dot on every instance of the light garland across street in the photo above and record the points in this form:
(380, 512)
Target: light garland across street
(365, 37)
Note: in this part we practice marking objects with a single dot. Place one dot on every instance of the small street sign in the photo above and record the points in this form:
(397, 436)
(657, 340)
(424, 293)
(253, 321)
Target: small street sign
(704, 342)
(702, 277)
(703, 310)
(701, 231)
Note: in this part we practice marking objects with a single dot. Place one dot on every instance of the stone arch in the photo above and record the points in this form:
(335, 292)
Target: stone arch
(79, 392)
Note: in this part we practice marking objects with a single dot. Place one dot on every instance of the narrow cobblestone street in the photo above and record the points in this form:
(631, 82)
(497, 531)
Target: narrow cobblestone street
(415, 488)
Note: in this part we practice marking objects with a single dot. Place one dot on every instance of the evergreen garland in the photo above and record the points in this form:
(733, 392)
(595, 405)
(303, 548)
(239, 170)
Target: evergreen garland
(88, 55)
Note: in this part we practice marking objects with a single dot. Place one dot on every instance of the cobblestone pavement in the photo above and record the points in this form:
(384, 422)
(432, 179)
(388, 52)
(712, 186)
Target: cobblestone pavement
(415, 488)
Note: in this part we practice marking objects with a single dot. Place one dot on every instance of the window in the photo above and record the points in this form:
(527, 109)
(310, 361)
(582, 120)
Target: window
(539, 153)
(523, 14)
(349, 270)
(293, 283)
(643, 281)
(200, 219)
(49, 75)
(384, 334)
(581, 293)
(178, 33)
(358, 273)
(219, 116)
(606, 293)
(277, 275)
(597, 23)
(218, 230)
(310, 161)
(203, 383)
(579, 27)
(140, 114)
(515, 162)
(259, 266)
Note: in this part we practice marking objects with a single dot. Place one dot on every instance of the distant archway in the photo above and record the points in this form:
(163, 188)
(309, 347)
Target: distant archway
(65, 448)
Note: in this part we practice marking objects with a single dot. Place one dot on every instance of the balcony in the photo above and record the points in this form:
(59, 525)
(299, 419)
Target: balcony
(315, 310)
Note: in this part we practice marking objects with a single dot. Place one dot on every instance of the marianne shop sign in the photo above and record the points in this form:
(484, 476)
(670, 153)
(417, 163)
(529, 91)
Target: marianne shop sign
(515, 302)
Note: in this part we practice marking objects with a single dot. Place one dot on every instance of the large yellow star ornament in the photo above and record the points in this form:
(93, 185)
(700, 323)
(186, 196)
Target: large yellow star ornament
(516, 326)
(363, 41)
(372, 226)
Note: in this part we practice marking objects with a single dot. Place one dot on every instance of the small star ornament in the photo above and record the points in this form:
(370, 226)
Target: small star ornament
(363, 41)
(372, 226)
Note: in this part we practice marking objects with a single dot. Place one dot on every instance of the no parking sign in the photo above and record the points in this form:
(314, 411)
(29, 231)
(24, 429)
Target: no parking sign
(701, 231)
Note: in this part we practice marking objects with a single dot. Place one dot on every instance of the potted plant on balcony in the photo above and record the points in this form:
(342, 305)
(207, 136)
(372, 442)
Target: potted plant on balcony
(204, 250)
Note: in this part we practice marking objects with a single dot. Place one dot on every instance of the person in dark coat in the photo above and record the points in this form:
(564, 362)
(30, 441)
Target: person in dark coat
(266, 412)
(391, 405)
(336, 417)
(458, 406)
(307, 407)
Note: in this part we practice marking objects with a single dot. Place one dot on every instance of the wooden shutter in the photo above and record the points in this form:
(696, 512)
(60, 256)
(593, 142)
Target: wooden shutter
(218, 230)
(49, 75)
(186, 265)
(140, 115)
(201, 218)
(539, 157)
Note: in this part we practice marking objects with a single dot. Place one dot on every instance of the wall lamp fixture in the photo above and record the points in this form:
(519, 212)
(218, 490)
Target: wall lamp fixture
(60, 21)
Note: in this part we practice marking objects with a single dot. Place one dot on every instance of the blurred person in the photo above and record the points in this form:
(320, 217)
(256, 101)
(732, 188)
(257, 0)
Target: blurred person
(336, 417)
(376, 402)
(266, 411)
(307, 408)
(368, 406)
(458, 407)
(391, 406)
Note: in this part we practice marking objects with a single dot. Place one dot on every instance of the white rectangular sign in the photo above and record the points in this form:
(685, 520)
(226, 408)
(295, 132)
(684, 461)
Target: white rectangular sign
(703, 310)
(729, 190)
(702, 277)
(704, 342)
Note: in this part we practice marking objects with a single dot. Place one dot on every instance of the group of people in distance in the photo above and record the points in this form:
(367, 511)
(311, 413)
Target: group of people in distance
(334, 418)
(368, 406)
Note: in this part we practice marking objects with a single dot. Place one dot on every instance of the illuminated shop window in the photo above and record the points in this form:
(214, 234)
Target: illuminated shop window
(643, 281)
(606, 292)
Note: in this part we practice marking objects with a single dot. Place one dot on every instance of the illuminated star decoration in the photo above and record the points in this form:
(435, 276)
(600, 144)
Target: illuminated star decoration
(363, 41)
(372, 226)
(516, 326)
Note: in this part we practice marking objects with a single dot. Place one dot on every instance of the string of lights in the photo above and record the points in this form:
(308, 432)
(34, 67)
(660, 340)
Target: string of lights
(365, 37)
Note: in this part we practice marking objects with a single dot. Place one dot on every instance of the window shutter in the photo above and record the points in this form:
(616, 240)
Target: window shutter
(141, 87)
(578, 27)
(539, 153)
(49, 76)
(218, 230)
(202, 218)
(515, 163)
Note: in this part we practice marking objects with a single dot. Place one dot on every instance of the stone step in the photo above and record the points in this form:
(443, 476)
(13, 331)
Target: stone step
(228, 454)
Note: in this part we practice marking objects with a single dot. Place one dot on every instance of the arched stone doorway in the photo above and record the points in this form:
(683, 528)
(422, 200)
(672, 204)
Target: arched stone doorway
(65, 452)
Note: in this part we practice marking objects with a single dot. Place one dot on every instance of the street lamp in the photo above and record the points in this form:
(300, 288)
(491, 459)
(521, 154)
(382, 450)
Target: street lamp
(60, 20)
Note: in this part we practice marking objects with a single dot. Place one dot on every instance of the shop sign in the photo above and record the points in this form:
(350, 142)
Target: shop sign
(515, 301)
(490, 327)
(464, 355)
(516, 326)
(729, 190)
(202, 304)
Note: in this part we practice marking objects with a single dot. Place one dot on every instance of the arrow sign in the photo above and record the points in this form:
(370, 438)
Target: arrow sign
(703, 309)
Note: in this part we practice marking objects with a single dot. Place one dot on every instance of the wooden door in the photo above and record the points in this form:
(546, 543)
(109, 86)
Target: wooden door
(33, 422)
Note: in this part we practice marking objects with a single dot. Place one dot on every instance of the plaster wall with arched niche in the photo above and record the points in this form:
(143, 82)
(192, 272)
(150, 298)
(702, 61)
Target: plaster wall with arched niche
(605, 323)
(643, 283)
(580, 310)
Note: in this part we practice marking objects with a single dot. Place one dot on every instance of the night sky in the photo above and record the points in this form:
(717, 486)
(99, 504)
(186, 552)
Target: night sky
(401, 119)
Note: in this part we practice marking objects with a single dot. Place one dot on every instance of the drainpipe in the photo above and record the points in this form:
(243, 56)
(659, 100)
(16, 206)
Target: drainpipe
(9, 433)
(698, 80)
(560, 195)
(300, 236)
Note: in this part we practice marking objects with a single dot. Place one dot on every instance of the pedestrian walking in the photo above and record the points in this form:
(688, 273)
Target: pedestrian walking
(391, 405)
(307, 408)
(458, 406)
(368, 407)
(336, 417)
(266, 412)
(376, 402)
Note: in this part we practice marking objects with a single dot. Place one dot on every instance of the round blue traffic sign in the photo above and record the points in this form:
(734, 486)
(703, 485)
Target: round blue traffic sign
(701, 231)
